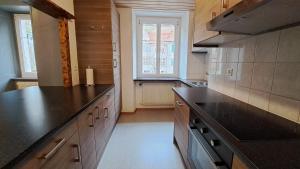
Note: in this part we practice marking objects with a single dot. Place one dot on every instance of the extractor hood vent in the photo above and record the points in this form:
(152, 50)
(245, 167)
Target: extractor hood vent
(253, 17)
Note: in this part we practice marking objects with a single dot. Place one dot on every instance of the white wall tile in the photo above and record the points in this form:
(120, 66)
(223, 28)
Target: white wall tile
(222, 57)
(244, 74)
(284, 107)
(289, 50)
(242, 93)
(232, 52)
(247, 50)
(259, 99)
(263, 76)
(266, 47)
(287, 80)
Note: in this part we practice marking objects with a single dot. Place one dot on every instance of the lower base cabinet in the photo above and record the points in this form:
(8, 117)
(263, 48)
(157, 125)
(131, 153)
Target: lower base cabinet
(80, 143)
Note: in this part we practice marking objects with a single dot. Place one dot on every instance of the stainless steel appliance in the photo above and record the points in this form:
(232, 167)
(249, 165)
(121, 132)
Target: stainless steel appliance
(205, 149)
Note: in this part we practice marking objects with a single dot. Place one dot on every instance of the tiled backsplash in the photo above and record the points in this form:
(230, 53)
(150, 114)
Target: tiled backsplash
(263, 71)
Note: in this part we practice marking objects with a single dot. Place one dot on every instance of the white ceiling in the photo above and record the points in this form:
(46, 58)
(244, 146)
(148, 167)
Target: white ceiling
(157, 4)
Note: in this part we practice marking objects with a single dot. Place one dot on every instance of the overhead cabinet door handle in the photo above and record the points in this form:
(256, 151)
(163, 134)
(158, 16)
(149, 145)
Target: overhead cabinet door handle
(59, 144)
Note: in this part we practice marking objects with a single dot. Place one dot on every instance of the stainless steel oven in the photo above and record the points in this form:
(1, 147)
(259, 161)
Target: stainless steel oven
(205, 151)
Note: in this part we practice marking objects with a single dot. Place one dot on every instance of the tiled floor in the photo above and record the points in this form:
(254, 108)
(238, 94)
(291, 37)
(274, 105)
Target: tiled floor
(143, 140)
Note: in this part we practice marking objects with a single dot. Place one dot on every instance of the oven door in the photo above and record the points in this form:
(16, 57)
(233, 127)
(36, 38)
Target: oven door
(200, 154)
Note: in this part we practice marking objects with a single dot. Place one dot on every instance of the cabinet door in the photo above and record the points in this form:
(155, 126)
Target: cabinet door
(109, 112)
(100, 130)
(226, 4)
(181, 119)
(86, 124)
(68, 157)
(205, 11)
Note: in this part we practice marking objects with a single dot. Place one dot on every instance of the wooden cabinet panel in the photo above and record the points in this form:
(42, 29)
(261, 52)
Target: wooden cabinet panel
(238, 164)
(86, 124)
(181, 121)
(68, 157)
(53, 149)
(226, 4)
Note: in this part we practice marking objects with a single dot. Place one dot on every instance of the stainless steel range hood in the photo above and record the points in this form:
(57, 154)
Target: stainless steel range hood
(253, 17)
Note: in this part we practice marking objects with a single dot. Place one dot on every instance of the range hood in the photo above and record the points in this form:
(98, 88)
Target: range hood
(252, 17)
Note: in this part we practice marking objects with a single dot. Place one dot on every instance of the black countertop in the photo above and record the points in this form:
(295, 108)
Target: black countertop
(267, 140)
(29, 115)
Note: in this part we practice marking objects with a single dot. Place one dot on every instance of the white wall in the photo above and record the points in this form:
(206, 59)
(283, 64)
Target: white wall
(128, 87)
(132, 94)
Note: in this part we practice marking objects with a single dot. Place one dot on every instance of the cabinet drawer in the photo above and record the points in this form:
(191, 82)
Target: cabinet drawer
(183, 108)
(50, 149)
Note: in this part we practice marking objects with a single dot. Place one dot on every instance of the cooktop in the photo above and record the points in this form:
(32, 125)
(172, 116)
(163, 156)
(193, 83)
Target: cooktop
(246, 122)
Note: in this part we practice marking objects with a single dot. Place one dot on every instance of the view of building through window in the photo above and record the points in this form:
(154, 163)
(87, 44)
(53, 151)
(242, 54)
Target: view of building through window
(158, 49)
(25, 45)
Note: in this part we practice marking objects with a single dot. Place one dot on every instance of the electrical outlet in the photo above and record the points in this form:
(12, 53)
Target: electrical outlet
(229, 72)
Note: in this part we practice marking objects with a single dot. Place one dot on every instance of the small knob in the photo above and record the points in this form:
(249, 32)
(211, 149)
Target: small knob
(196, 121)
(214, 142)
(203, 130)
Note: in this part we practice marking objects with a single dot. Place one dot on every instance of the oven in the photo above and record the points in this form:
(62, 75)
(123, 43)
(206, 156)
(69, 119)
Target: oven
(205, 150)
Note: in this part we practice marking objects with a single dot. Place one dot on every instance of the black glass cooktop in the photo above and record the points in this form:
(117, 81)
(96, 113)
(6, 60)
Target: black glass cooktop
(246, 122)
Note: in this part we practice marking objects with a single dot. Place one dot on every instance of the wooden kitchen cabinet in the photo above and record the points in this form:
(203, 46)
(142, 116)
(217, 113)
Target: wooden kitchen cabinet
(181, 120)
(86, 124)
(238, 164)
(60, 151)
(226, 4)
(204, 12)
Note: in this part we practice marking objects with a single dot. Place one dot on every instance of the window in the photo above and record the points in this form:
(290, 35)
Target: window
(157, 47)
(25, 45)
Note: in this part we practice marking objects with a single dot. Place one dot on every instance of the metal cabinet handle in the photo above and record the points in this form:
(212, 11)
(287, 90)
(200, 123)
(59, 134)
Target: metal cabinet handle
(59, 144)
(98, 117)
(105, 112)
(92, 118)
(78, 158)
(179, 103)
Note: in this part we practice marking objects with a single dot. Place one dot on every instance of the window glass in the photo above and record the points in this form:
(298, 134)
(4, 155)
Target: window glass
(149, 45)
(167, 49)
(29, 64)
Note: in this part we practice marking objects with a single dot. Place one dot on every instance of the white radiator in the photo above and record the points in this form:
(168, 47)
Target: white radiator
(157, 94)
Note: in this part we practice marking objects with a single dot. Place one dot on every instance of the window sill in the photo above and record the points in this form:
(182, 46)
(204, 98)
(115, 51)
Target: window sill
(25, 79)
(156, 79)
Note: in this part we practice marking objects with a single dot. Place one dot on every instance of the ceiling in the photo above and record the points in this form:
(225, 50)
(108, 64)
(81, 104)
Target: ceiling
(157, 4)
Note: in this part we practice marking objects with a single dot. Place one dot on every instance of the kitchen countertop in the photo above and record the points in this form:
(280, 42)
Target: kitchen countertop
(188, 82)
(264, 153)
(29, 115)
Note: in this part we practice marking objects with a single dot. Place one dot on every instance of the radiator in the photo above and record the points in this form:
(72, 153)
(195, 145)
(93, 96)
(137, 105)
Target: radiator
(157, 94)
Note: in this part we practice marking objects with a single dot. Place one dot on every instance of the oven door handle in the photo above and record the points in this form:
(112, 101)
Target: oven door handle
(210, 152)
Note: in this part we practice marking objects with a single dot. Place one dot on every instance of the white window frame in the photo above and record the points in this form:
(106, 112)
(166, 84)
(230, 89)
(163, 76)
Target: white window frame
(18, 17)
(159, 21)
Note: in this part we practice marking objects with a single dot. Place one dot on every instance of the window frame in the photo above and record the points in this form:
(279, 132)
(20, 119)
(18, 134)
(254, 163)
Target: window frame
(158, 21)
(17, 18)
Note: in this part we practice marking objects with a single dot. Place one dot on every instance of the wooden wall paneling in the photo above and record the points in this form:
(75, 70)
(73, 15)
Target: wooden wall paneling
(65, 52)
(49, 8)
(94, 40)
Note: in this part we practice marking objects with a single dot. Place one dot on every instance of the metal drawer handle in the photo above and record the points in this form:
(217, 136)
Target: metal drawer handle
(92, 118)
(59, 144)
(105, 112)
(78, 158)
(179, 103)
(98, 117)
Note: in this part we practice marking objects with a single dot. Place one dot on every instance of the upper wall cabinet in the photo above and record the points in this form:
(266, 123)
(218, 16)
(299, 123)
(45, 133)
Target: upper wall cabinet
(205, 11)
